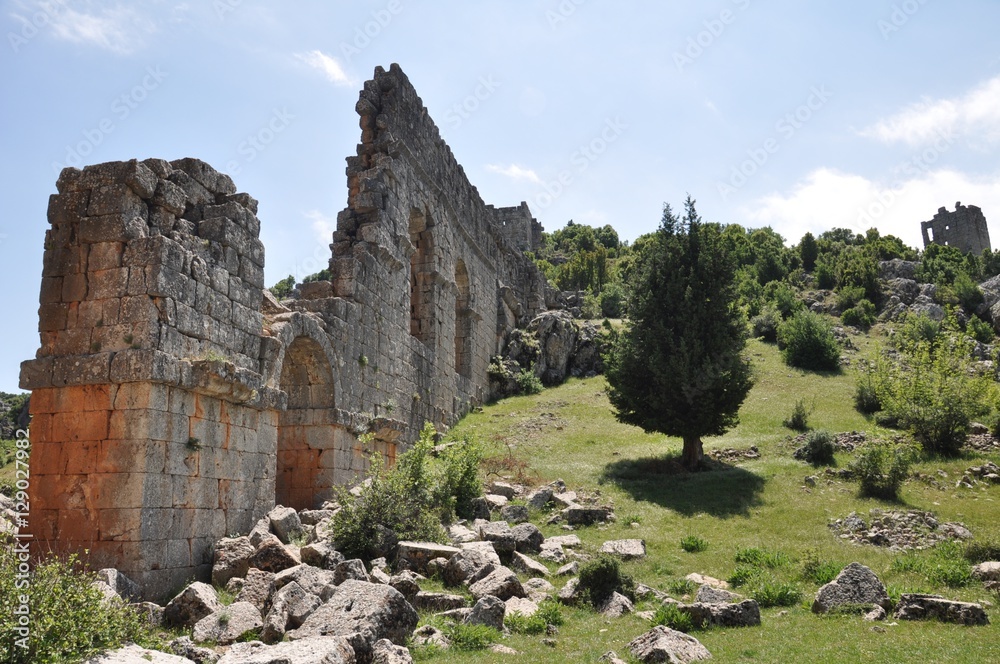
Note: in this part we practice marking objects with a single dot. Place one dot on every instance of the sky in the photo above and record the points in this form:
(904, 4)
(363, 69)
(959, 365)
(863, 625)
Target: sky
(801, 116)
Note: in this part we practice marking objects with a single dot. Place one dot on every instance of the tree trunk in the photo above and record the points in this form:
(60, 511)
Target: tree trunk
(693, 452)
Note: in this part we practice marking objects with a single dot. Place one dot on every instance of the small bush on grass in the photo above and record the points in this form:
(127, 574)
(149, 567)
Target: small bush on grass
(471, 637)
(819, 448)
(944, 565)
(981, 552)
(882, 467)
(799, 419)
(807, 342)
(548, 613)
(758, 557)
(764, 326)
(669, 615)
(70, 619)
(980, 330)
(866, 399)
(861, 315)
(681, 587)
(603, 576)
(772, 592)
(819, 571)
(528, 382)
(693, 544)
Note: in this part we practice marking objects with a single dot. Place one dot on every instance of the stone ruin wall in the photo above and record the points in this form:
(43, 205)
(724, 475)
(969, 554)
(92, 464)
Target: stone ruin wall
(174, 401)
(964, 228)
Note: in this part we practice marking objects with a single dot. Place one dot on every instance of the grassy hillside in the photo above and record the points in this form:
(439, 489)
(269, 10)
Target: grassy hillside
(570, 433)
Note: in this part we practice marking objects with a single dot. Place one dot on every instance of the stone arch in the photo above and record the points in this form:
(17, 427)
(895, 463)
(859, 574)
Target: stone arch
(463, 320)
(421, 277)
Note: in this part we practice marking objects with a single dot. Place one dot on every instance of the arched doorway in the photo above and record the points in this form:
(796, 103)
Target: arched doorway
(306, 437)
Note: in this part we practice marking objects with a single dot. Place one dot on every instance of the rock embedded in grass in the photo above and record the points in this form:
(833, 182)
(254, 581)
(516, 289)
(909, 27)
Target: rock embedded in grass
(856, 585)
(662, 644)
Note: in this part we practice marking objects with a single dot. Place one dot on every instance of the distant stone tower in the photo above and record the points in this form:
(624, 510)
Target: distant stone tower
(964, 228)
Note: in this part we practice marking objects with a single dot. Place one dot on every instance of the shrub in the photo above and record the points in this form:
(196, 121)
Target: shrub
(967, 292)
(918, 328)
(866, 399)
(70, 620)
(799, 419)
(979, 330)
(681, 587)
(807, 342)
(613, 298)
(770, 592)
(861, 315)
(458, 481)
(819, 448)
(981, 552)
(283, 288)
(693, 544)
(819, 571)
(471, 637)
(603, 576)
(528, 382)
(548, 613)
(669, 615)
(765, 324)
(882, 468)
(849, 296)
(783, 298)
(743, 574)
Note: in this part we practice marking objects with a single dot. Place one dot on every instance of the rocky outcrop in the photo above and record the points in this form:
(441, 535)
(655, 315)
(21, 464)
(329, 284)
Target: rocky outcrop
(935, 607)
(191, 605)
(317, 650)
(228, 624)
(662, 644)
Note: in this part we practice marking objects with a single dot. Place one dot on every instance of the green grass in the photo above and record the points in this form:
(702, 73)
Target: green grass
(569, 432)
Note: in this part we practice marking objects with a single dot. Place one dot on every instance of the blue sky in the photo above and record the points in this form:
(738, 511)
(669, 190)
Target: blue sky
(801, 116)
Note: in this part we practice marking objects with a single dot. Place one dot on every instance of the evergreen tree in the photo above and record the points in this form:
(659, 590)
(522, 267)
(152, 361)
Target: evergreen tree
(808, 252)
(678, 366)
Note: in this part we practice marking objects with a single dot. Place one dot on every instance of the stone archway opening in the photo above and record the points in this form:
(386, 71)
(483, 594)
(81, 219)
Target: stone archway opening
(306, 433)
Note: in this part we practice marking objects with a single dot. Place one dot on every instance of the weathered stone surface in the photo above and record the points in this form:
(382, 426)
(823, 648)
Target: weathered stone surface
(539, 499)
(437, 602)
(122, 586)
(133, 654)
(228, 624)
(514, 513)
(191, 605)
(628, 549)
(489, 610)
(538, 589)
(257, 588)
(231, 558)
(935, 607)
(459, 534)
(570, 593)
(315, 581)
(499, 534)
(702, 580)
(856, 585)
(321, 554)
(616, 606)
(185, 647)
(350, 569)
(285, 523)
(988, 571)
(505, 489)
(369, 610)
(416, 555)
(564, 498)
(315, 650)
(569, 569)
(964, 228)
(474, 561)
(290, 607)
(273, 556)
(525, 606)
(523, 563)
(527, 538)
(502, 583)
(495, 502)
(741, 614)
(153, 613)
(385, 652)
(565, 541)
(430, 635)
(663, 644)
(710, 595)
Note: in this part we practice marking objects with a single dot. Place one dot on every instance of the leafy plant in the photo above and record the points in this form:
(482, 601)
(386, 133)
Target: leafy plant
(819, 571)
(765, 324)
(693, 544)
(807, 342)
(819, 448)
(861, 315)
(944, 565)
(668, 615)
(528, 382)
(980, 330)
(681, 587)
(771, 592)
(980, 552)
(866, 399)
(799, 419)
(882, 467)
(548, 613)
(471, 637)
(603, 576)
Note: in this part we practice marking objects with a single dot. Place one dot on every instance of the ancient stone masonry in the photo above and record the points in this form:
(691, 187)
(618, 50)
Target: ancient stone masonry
(175, 401)
(964, 228)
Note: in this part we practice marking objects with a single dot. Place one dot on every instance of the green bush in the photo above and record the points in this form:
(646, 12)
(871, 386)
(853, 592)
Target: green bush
(916, 329)
(862, 315)
(981, 552)
(765, 325)
(681, 587)
(693, 544)
(783, 298)
(771, 592)
(668, 615)
(849, 296)
(799, 419)
(820, 572)
(528, 382)
(967, 292)
(882, 467)
(758, 557)
(603, 576)
(743, 574)
(980, 330)
(613, 297)
(866, 399)
(944, 565)
(458, 483)
(807, 342)
(548, 613)
(69, 618)
(819, 448)
(471, 637)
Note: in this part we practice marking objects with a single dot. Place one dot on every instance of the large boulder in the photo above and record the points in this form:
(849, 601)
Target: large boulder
(585, 515)
(514, 513)
(742, 614)
(523, 563)
(616, 606)
(437, 602)
(539, 499)
(229, 624)
(502, 583)
(191, 605)
(133, 654)
(527, 538)
(556, 333)
(321, 554)
(627, 549)
(285, 523)
(935, 607)
(855, 586)
(710, 595)
(368, 610)
(350, 570)
(662, 644)
(499, 534)
(317, 650)
(319, 582)
(988, 571)
(273, 556)
(415, 555)
(385, 652)
(257, 588)
(290, 607)
(474, 561)
(231, 558)
(489, 611)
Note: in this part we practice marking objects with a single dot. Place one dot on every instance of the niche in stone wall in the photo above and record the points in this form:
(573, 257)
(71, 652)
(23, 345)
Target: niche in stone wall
(421, 278)
(306, 435)
(463, 321)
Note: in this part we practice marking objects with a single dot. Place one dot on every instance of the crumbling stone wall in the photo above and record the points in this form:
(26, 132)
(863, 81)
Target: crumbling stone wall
(964, 228)
(175, 402)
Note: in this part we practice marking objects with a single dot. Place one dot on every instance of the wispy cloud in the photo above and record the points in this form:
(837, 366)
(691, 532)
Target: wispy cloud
(976, 115)
(327, 65)
(322, 225)
(515, 172)
(115, 27)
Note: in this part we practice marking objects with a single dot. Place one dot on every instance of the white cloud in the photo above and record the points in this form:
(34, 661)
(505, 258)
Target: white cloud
(515, 172)
(975, 116)
(322, 225)
(111, 26)
(327, 65)
(827, 199)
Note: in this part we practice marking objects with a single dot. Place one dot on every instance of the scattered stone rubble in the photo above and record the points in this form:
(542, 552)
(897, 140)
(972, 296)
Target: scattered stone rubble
(898, 530)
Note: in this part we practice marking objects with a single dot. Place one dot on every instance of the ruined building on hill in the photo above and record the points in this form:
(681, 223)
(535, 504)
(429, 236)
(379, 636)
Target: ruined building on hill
(175, 402)
(964, 228)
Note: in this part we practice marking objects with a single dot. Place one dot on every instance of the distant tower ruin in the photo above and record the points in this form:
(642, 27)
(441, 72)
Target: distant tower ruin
(964, 228)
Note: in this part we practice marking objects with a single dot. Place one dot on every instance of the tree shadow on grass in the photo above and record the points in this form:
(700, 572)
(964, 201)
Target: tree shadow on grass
(719, 489)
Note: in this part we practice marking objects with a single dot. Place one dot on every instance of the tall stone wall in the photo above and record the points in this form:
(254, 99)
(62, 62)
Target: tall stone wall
(175, 402)
(964, 228)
